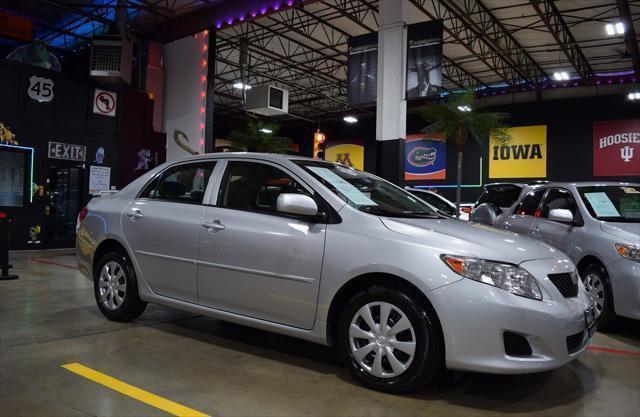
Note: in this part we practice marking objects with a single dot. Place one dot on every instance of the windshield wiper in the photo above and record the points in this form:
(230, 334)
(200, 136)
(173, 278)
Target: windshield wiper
(378, 211)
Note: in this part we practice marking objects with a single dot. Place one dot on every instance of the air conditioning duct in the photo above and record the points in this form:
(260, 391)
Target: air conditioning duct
(268, 100)
(111, 59)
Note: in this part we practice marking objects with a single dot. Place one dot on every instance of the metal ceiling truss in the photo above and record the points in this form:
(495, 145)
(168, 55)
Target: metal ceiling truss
(558, 28)
(630, 34)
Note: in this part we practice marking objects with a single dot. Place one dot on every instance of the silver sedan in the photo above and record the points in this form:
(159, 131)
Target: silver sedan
(597, 224)
(337, 256)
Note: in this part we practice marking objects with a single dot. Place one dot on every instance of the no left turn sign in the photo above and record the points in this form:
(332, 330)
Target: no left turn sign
(105, 102)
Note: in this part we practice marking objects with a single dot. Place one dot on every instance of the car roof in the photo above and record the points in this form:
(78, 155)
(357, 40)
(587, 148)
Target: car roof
(274, 157)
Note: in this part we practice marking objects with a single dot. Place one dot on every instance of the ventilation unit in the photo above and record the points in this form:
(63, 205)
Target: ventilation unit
(111, 59)
(268, 100)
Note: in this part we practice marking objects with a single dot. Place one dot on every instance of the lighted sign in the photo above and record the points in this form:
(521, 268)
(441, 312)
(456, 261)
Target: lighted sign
(67, 151)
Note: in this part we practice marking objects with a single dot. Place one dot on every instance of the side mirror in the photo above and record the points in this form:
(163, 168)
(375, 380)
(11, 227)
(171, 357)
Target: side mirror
(485, 213)
(296, 204)
(561, 215)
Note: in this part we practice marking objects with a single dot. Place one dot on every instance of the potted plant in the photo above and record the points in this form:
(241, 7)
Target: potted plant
(259, 136)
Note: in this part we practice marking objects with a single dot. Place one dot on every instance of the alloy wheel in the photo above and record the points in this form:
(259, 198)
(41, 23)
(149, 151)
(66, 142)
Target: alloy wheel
(382, 339)
(595, 288)
(112, 285)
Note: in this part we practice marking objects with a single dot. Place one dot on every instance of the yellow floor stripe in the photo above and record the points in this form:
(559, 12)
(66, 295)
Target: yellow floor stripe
(133, 392)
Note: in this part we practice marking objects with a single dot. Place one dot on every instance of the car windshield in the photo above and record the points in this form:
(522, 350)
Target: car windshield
(613, 203)
(366, 192)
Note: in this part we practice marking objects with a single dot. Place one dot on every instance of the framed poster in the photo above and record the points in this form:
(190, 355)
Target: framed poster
(616, 148)
(425, 157)
(346, 153)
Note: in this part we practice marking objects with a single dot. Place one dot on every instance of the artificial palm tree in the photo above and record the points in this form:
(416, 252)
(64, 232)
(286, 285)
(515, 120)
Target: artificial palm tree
(259, 136)
(457, 119)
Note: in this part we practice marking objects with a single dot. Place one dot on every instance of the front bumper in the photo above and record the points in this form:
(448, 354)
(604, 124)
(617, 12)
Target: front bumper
(624, 275)
(475, 317)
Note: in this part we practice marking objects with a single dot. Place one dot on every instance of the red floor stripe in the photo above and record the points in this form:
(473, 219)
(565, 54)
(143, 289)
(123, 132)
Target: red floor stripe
(44, 261)
(614, 351)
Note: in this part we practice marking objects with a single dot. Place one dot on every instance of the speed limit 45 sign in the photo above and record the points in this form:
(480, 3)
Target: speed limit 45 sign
(105, 102)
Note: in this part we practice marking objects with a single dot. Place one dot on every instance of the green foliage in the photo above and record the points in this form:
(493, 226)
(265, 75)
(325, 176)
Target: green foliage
(457, 125)
(251, 139)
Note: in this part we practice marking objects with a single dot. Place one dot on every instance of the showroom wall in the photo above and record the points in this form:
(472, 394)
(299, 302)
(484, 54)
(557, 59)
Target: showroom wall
(569, 137)
(115, 147)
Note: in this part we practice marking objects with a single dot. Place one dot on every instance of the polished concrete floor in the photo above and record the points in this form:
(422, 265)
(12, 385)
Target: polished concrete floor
(48, 319)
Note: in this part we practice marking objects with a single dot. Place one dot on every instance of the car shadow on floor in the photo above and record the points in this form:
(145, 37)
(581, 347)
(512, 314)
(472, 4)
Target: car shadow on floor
(625, 330)
(513, 393)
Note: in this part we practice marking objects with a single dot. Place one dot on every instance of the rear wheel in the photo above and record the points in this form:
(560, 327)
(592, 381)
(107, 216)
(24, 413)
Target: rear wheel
(116, 288)
(596, 282)
(389, 340)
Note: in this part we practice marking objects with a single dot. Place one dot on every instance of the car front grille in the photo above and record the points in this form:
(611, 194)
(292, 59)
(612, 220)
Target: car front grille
(565, 284)
(575, 342)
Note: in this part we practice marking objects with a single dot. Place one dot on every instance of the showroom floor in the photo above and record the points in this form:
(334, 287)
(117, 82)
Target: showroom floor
(48, 319)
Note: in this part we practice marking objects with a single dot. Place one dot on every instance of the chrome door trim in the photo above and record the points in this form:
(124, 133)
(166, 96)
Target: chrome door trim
(173, 258)
(258, 272)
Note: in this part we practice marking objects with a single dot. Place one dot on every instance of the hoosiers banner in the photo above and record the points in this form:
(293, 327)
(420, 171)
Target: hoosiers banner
(524, 156)
(425, 158)
(616, 148)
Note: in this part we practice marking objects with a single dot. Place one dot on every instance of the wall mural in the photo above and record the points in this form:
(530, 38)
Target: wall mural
(180, 138)
(425, 157)
(616, 148)
(525, 156)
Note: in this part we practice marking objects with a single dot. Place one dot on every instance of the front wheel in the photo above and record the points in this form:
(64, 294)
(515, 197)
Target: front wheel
(596, 282)
(389, 340)
(116, 288)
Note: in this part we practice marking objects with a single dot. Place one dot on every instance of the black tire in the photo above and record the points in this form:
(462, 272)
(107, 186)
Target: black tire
(606, 314)
(428, 359)
(132, 306)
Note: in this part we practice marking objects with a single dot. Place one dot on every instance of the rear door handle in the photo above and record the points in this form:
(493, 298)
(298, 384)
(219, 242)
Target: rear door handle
(135, 213)
(213, 226)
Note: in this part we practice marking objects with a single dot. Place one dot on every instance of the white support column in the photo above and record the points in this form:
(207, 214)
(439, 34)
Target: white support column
(391, 110)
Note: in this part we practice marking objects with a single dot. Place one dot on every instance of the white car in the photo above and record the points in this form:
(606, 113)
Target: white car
(440, 203)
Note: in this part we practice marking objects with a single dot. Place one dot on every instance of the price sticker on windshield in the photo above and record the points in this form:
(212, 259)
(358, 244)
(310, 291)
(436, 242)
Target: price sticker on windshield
(602, 205)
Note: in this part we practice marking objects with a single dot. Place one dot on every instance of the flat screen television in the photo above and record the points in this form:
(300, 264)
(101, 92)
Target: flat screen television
(15, 176)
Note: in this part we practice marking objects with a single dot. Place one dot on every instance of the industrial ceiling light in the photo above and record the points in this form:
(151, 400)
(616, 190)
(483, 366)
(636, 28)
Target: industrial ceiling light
(240, 86)
(561, 76)
(350, 119)
(265, 130)
(634, 95)
(614, 28)
(464, 108)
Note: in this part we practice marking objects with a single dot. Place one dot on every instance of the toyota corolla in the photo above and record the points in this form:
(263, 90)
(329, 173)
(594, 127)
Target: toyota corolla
(337, 256)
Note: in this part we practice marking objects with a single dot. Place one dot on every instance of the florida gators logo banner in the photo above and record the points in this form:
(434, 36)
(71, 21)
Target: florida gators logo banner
(425, 158)
(616, 148)
(524, 156)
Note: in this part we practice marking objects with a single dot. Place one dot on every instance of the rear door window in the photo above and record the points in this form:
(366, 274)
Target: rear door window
(185, 183)
(530, 203)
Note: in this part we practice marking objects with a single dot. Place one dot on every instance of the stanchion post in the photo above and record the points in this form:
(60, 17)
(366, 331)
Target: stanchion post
(4, 249)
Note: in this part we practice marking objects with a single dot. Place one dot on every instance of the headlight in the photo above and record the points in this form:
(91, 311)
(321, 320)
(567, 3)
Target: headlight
(628, 251)
(508, 277)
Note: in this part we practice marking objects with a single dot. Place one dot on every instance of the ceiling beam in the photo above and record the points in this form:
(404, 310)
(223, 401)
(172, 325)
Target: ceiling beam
(630, 34)
(558, 28)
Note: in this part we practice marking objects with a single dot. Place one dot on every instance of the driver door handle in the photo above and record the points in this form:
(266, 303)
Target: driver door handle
(213, 226)
(135, 213)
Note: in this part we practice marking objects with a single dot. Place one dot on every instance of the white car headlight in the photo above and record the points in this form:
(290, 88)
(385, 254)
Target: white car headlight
(508, 277)
(628, 251)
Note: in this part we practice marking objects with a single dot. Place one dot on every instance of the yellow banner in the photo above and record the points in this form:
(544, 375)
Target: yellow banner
(524, 156)
(347, 154)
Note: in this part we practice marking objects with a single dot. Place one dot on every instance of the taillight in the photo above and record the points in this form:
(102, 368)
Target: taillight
(83, 213)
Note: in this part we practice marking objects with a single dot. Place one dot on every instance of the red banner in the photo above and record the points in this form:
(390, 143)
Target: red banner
(15, 27)
(616, 148)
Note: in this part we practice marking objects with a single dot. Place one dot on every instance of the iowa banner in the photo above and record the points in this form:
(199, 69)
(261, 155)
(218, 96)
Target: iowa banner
(524, 156)
(425, 158)
(424, 59)
(616, 148)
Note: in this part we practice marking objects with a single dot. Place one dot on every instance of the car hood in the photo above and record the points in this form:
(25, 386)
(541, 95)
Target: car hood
(629, 232)
(457, 237)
